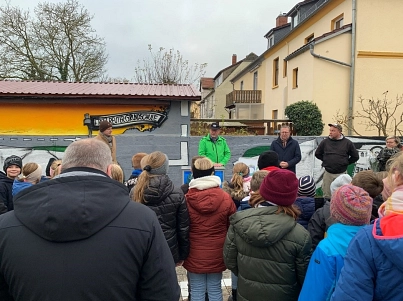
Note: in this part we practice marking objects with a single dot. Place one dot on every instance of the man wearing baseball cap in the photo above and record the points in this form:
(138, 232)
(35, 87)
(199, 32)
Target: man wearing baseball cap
(336, 152)
(215, 147)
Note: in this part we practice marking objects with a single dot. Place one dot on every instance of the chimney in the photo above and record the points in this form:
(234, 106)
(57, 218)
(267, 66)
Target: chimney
(233, 59)
(282, 19)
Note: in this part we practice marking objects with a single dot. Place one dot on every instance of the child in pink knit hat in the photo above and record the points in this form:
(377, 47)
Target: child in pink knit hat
(351, 208)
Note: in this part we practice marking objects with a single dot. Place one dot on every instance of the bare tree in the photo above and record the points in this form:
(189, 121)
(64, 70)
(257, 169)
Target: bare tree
(58, 43)
(167, 67)
(385, 115)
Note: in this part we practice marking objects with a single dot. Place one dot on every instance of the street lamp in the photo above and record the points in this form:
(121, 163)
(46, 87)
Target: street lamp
(87, 122)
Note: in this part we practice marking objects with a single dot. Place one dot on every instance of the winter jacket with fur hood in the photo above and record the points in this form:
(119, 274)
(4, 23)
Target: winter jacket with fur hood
(169, 204)
(209, 210)
(269, 252)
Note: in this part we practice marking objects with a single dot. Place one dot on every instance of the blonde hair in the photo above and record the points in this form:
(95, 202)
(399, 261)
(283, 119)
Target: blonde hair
(154, 160)
(55, 168)
(396, 167)
(238, 172)
(117, 173)
(292, 210)
(395, 138)
(203, 164)
(27, 170)
(257, 179)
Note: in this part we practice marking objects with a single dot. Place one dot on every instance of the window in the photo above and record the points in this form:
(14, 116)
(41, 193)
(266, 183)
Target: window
(270, 42)
(249, 111)
(309, 38)
(284, 68)
(241, 87)
(275, 72)
(337, 22)
(295, 20)
(274, 114)
(295, 78)
(255, 81)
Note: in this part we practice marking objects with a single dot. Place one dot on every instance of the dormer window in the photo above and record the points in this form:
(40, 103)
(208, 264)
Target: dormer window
(295, 20)
(270, 42)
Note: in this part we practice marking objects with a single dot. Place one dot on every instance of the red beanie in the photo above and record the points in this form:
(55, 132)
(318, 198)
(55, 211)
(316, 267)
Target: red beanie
(280, 187)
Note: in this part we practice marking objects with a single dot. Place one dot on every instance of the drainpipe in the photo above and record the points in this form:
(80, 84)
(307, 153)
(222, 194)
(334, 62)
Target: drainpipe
(311, 49)
(352, 70)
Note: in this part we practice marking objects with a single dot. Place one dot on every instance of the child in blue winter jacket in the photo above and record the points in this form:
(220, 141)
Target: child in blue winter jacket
(373, 268)
(350, 207)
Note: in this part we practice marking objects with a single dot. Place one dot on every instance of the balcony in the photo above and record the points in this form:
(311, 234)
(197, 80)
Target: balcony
(244, 96)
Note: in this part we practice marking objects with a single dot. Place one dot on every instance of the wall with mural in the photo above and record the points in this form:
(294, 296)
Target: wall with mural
(180, 148)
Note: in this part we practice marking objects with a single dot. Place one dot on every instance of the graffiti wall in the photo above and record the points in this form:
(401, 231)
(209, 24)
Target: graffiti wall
(180, 148)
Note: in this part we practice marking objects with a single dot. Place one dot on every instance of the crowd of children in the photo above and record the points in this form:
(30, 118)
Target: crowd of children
(279, 241)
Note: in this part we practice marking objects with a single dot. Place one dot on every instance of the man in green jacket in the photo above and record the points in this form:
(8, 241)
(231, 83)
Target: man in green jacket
(214, 146)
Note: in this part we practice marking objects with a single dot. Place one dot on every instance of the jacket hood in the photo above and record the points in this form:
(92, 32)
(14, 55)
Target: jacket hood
(158, 189)
(204, 194)
(388, 234)
(71, 207)
(19, 186)
(262, 227)
(340, 235)
(306, 206)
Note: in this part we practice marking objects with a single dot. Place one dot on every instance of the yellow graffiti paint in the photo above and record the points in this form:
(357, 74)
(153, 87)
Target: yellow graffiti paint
(57, 119)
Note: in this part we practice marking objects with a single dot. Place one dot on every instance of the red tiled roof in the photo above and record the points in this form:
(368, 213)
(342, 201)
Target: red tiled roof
(207, 82)
(92, 89)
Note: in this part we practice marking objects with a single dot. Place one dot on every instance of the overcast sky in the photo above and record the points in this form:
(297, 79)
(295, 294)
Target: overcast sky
(204, 31)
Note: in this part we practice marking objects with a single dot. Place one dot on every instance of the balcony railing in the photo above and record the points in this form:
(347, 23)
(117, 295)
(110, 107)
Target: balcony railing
(244, 96)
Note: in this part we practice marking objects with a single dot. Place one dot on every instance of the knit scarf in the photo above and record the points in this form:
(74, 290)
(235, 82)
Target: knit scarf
(394, 203)
(108, 139)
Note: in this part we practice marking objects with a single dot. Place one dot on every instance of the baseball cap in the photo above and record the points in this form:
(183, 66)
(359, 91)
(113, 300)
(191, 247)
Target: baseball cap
(337, 126)
(215, 126)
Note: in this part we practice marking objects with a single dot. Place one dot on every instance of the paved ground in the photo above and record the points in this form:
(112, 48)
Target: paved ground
(182, 280)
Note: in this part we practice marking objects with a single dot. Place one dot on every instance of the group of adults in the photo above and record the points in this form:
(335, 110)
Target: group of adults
(336, 152)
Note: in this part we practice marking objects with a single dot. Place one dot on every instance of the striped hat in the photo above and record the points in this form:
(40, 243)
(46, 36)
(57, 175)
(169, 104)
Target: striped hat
(306, 186)
(351, 205)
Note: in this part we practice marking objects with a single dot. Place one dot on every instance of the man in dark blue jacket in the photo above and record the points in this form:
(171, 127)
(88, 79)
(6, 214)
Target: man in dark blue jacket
(80, 237)
(287, 149)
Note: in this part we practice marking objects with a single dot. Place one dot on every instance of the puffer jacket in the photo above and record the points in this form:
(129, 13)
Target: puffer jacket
(169, 204)
(6, 196)
(319, 223)
(19, 186)
(307, 207)
(269, 252)
(209, 210)
(373, 266)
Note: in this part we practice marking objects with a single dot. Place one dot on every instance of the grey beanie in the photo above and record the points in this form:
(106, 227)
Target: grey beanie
(340, 181)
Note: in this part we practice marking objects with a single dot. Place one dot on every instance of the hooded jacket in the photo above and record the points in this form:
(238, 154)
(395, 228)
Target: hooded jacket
(336, 154)
(19, 186)
(79, 237)
(373, 266)
(319, 223)
(326, 263)
(169, 204)
(269, 253)
(307, 207)
(209, 210)
(291, 153)
(217, 152)
(6, 195)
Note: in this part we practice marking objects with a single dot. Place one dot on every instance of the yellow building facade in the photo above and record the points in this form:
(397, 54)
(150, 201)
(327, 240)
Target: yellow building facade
(335, 52)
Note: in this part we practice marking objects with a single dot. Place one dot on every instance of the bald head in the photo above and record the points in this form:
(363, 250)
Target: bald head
(87, 153)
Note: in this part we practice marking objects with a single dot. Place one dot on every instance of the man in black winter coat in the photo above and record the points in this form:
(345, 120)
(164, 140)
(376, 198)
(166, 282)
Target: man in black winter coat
(287, 149)
(79, 237)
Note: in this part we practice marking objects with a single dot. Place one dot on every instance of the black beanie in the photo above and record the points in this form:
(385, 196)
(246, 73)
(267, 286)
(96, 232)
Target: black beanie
(198, 173)
(267, 159)
(12, 160)
(47, 172)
